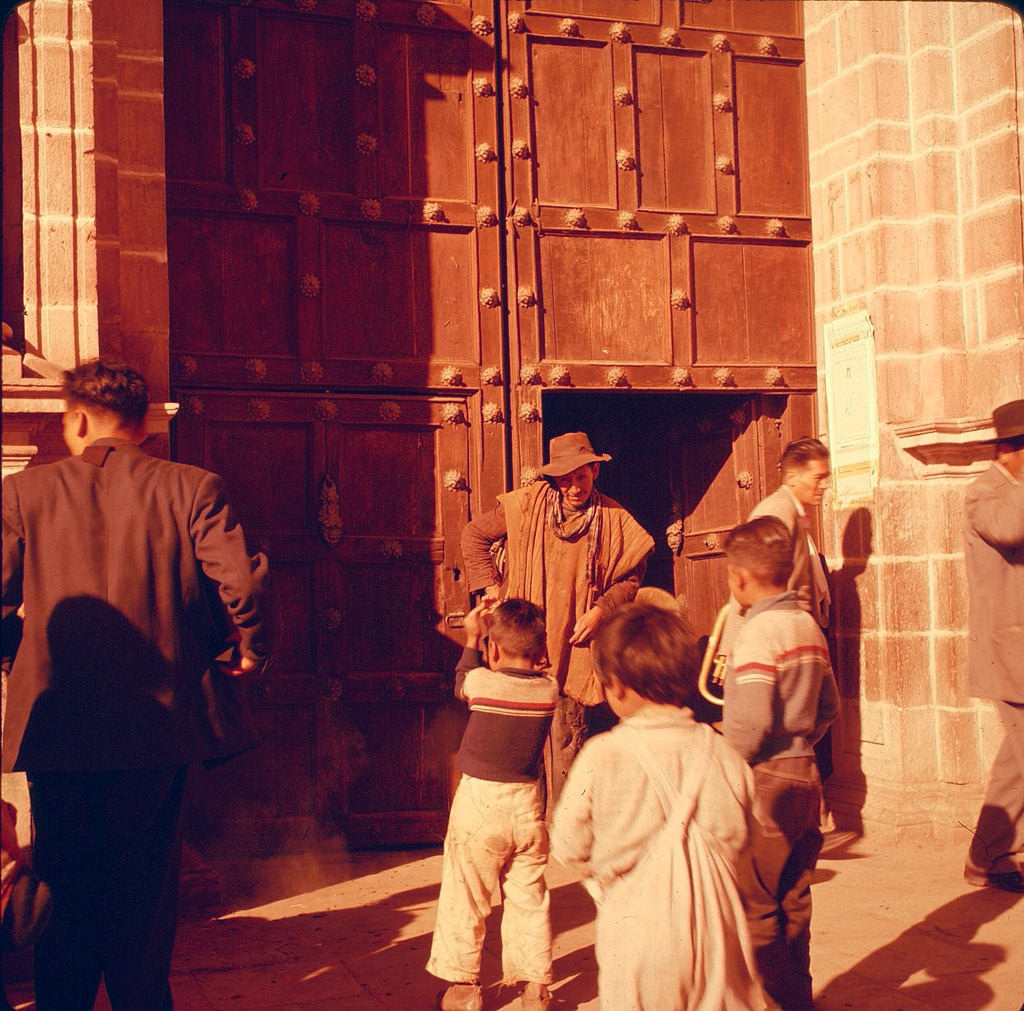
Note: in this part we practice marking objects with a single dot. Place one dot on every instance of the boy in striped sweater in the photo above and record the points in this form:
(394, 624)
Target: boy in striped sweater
(496, 830)
(780, 697)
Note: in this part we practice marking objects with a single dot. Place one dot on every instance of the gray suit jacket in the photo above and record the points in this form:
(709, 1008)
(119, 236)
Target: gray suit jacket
(119, 559)
(994, 553)
(783, 505)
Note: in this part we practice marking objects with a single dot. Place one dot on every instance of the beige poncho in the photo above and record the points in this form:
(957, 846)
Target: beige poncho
(565, 567)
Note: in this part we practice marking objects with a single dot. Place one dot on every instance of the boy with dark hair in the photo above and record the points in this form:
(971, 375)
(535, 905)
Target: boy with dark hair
(579, 555)
(654, 816)
(780, 697)
(496, 829)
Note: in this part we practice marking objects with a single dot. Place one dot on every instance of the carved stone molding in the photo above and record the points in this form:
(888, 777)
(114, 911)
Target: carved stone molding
(949, 447)
(17, 458)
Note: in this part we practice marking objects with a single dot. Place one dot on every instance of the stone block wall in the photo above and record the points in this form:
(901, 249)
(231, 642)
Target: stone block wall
(915, 133)
(87, 90)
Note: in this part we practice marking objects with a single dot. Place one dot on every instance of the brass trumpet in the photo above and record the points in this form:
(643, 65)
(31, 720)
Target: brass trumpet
(712, 668)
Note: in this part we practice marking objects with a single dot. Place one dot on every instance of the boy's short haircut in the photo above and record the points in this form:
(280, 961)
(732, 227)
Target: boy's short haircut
(104, 384)
(764, 547)
(649, 649)
(517, 627)
(800, 453)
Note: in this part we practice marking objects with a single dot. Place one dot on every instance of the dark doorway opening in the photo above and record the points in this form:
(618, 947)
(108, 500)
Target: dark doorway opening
(657, 451)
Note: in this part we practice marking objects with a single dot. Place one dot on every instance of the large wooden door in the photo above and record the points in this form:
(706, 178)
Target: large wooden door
(347, 496)
(404, 230)
(661, 242)
(333, 248)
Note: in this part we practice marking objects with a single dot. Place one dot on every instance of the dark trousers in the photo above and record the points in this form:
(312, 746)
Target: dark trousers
(571, 726)
(998, 842)
(109, 846)
(776, 880)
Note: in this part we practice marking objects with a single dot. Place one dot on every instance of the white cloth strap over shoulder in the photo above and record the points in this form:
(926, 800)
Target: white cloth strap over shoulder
(679, 802)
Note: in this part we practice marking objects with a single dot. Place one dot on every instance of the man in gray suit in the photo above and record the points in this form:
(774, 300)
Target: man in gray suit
(994, 553)
(805, 478)
(133, 576)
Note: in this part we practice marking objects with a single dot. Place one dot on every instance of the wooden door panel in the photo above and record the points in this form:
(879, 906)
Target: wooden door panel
(664, 248)
(782, 16)
(609, 10)
(332, 224)
(413, 807)
(399, 294)
(194, 45)
(314, 94)
(366, 594)
(674, 131)
(771, 138)
(398, 597)
(752, 302)
(375, 465)
(572, 130)
(629, 322)
(232, 283)
(426, 115)
(721, 484)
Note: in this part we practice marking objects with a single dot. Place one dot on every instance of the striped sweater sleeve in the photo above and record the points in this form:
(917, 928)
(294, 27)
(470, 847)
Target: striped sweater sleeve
(780, 694)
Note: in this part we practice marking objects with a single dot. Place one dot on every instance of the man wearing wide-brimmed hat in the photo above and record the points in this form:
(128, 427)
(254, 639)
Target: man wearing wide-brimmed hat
(994, 552)
(574, 552)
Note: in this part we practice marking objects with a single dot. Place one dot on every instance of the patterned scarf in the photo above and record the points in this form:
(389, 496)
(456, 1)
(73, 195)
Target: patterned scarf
(587, 522)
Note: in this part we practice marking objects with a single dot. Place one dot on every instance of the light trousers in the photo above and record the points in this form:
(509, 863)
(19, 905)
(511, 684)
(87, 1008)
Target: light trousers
(496, 836)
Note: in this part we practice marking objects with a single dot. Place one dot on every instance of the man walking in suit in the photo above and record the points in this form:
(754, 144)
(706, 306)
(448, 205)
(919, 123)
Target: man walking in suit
(994, 553)
(805, 478)
(133, 575)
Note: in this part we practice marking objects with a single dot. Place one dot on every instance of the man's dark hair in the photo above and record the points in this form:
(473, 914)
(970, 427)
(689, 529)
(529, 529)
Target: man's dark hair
(105, 384)
(801, 452)
(517, 627)
(649, 649)
(764, 547)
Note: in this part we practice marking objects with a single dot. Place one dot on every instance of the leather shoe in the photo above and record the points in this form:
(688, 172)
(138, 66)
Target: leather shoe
(1009, 881)
(461, 997)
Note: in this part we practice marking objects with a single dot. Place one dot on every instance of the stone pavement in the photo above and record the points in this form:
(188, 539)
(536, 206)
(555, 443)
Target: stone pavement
(895, 929)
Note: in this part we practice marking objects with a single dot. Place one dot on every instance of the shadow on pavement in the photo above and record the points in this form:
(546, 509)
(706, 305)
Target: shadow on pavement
(939, 947)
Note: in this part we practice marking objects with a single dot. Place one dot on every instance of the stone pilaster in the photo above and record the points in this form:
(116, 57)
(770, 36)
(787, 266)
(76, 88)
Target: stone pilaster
(93, 222)
(915, 148)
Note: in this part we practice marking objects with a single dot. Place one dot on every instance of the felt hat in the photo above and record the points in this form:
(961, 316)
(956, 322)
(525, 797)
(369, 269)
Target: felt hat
(1008, 420)
(569, 451)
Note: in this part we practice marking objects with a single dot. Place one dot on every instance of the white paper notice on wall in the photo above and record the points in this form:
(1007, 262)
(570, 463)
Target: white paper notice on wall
(852, 401)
